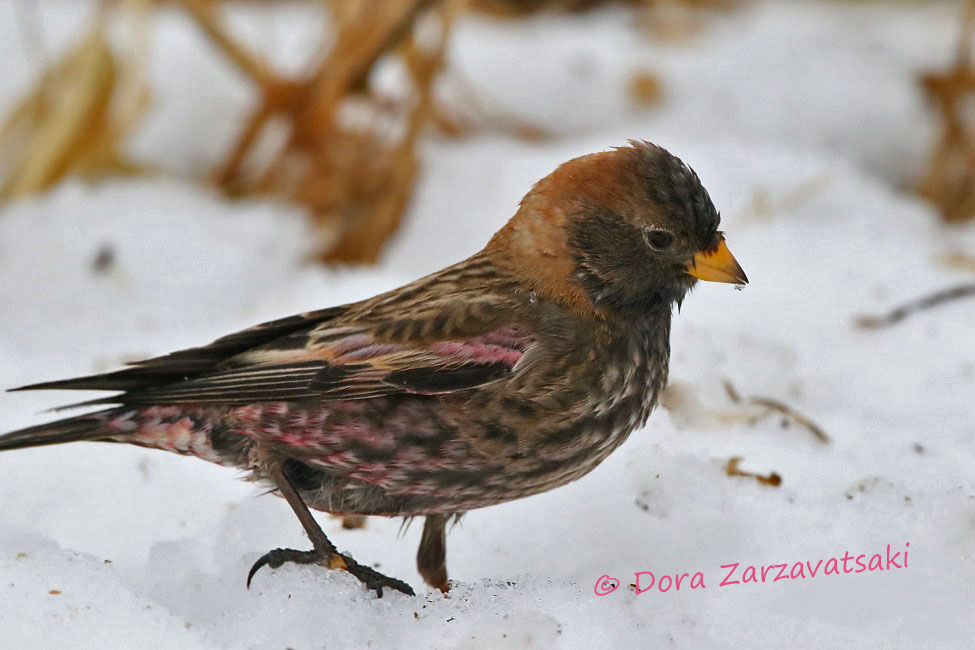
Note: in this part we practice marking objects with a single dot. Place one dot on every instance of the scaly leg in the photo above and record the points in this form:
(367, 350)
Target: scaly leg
(324, 552)
(431, 557)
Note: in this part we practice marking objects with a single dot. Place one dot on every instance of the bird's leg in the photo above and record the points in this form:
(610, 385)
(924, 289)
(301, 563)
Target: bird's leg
(324, 552)
(431, 557)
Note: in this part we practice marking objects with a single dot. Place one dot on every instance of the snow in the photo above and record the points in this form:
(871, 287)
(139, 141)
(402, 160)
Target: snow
(805, 122)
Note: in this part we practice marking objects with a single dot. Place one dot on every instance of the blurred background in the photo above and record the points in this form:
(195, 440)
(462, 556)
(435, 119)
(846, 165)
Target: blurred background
(338, 106)
(172, 170)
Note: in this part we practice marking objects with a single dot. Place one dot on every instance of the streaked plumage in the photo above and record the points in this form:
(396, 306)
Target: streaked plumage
(510, 373)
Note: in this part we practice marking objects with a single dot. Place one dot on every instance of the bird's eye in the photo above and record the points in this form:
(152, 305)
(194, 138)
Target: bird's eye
(658, 239)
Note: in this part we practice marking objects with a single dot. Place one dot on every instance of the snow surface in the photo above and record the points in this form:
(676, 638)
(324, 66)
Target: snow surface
(805, 122)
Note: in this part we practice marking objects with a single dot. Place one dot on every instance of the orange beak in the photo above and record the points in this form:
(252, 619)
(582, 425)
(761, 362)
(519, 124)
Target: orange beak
(717, 266)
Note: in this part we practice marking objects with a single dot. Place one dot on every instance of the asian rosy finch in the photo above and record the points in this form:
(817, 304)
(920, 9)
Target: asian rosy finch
(510, 373)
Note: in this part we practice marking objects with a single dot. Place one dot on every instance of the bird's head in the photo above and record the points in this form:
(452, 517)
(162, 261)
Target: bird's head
(618, 230)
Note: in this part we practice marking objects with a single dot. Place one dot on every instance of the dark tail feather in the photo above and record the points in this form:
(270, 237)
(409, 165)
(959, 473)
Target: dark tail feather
(84, 427)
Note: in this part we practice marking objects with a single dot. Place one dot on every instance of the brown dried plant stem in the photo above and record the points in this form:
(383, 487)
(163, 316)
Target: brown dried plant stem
(52, 127)
(773, 479)
(208, 19)
(920, 304)
(949, 182)
(379, 25)
(77, 116)
(354, 182)
(771, 405)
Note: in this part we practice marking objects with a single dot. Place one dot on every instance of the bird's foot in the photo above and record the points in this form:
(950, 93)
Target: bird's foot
(374, 580)
(368, 576)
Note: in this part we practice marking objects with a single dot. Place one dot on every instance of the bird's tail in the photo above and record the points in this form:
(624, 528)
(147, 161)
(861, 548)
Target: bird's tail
(180, 429)
(83, 427)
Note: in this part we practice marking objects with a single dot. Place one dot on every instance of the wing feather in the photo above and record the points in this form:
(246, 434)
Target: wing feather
(355, 365)
(194, 362)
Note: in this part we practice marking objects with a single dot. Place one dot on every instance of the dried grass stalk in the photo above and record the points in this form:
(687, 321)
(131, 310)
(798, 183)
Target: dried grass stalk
(75, 119)
(928, 301)
(949, 181)
(769, 406)
(349, 156)
(54, 124)
(525, 7)
(773, 479)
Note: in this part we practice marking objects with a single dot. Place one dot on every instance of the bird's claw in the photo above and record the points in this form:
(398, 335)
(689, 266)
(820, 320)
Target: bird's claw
(279, 556)
(368, 576)
(375, 580)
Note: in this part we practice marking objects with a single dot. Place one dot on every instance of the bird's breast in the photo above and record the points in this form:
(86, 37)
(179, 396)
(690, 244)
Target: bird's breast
(567, 416)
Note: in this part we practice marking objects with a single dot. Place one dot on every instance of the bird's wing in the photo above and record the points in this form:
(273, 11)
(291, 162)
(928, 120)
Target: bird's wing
(348, 363)
(194, 362)
(309, 357)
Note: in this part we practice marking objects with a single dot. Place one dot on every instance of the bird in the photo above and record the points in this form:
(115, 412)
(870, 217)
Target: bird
(507, 374)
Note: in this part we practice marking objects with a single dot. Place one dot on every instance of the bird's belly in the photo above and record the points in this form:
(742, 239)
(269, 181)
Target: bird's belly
(393, 457)
(468, 474)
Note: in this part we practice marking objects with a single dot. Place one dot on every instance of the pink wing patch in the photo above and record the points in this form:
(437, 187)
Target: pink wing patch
(504, 345)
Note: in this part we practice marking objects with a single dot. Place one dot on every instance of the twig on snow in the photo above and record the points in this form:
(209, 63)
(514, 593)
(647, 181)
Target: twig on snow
(926, 302)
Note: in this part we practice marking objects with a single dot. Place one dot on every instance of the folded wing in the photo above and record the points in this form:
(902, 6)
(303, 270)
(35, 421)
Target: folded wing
(307, 357)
